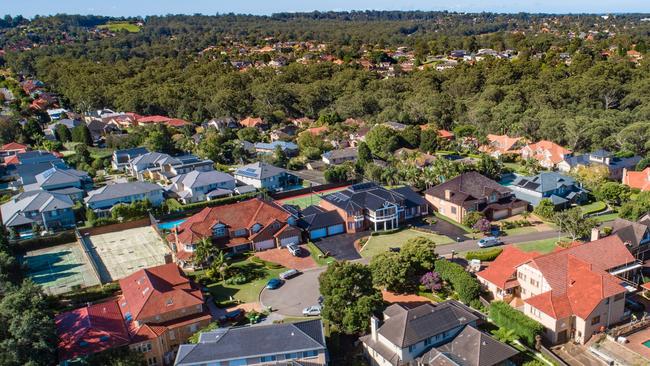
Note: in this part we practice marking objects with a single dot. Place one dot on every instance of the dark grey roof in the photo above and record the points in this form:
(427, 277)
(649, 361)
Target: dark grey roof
(629, 231)
(471, 347)
(118, 190)
(253, 341)
(132, 152)
(414, 325)
(350, 152)
(371, 196)
(545, 182)
(318, 220)
(412, 197)
(28, 172)
(40, 201)
(467, 187)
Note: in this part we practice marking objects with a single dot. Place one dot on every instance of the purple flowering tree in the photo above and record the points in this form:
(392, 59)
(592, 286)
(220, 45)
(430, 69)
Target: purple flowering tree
(432, 281)
(483, 225)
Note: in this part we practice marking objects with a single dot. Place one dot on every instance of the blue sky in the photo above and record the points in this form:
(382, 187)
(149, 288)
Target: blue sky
(30, 8)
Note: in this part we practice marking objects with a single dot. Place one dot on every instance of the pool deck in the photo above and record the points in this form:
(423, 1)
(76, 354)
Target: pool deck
(636, 342)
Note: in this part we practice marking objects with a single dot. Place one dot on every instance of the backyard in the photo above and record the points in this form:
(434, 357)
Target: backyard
(381, 243)
(540, 246)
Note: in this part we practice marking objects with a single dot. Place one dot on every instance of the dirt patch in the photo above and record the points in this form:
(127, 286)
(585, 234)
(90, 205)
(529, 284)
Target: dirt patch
(410, 300)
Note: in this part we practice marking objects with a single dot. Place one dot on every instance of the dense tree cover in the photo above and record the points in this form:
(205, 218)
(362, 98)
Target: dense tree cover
(467, 287)
(525, 328)
(400, 271)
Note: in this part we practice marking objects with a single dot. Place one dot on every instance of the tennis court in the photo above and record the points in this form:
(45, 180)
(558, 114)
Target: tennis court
(120, 253)
(308, 199)
(60, 269)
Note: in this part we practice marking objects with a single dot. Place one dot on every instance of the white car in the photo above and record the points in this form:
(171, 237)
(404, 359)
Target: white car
(293, 249)
(313, 310)
(289, 273)
(489, 241)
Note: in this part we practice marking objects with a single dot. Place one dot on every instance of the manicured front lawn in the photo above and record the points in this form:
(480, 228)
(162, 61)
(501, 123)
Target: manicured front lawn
(316, 255)
(445, 218)
(521, 230)
(381, 243)
(540, 246)
(248, 292)
(605, 218)
(593, 207)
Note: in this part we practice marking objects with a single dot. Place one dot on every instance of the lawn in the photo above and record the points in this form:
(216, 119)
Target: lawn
(381, 243)
(117, 27)
(593, 207)
(521, 230)
(540, 246)
(604, 218)
(316, 255)
(248, 292)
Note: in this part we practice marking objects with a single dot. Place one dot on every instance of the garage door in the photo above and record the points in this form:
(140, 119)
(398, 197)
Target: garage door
(290, 240)
(496, 215)
(335, 229)
(266, 244)
(318, 233)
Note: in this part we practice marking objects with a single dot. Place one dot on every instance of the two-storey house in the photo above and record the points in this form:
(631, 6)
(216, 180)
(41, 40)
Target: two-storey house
(340, 156)
(262, 175)
(101, 200)
(162, 167)
(635, 235)
(49, 210)
(299, 343)
(604, 158)
(368, 206)
(472, 191)
(253, 224)
(560, 189)
(70, 182)
(639, 180)
(199, 186)
(547, 153)
(121, 158)
(502, 144)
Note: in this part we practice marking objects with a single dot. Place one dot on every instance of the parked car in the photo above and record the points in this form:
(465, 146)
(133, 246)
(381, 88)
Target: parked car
(313, 310)
(289, 273)
(293, 249)
(274, 283)
(489, 241)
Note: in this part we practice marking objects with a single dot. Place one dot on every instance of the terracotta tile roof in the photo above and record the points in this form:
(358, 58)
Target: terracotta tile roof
(90, 329)
(555, 151)
(578, 278)
(152, 119)
(157, 290)
(176, 122)
(504, 267)
(500, 143)
(445, 134)
(316, 131)
(13, 146)
(640, 180)
(251, 122)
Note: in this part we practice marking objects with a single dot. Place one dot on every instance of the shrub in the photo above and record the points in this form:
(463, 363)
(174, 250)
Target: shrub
(484, 255)
(472, 218)
(607, 231)
(239, 279)
(466, 286)
(524, 327)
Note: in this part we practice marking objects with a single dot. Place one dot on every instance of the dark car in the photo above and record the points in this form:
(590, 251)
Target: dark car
(274, 283)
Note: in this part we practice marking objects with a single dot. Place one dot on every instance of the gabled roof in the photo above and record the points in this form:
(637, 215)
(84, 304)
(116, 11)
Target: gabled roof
(639, 180)
(200, 178)
(90, 329)
(119, 190)
(504, 267)
(545, 182)
(252, 122)
(365, 196)
(247, 342)
(629, 231)
(500, 143)
(467, 188)
(350, 152)
(41, 201)
(259, 170)
(555, 151)
(13, 146)
(315, 217)
(157, 290)
(56, 175)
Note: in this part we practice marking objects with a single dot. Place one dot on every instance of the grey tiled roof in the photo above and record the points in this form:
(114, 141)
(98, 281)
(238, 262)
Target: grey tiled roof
(259, 170)
(253, 341)
(371, 196)
(41, 201)
(199, 179)
(117, 190)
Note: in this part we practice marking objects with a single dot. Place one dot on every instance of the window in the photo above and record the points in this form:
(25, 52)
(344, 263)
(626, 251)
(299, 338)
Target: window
(307, 354)
(427, 342)
(219, 230)
(237, 362)
(267, 358)
(453, 210)
(412, 347)
(595, 320)
(152, 361)
(256, 228)
(290, 356)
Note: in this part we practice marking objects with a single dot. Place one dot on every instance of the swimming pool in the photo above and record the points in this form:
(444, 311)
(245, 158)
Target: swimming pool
(646, 343)
(170, 224)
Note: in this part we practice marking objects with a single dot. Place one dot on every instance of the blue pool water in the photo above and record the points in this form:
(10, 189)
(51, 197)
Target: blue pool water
(170, 224)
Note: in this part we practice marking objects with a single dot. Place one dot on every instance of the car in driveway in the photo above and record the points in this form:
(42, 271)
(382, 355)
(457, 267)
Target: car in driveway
(289, 274)
(274, 283)
(313, 310)
(293, 249)
(489, 241)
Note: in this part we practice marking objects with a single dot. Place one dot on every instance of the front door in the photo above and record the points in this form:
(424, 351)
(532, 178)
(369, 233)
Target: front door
(563, 337)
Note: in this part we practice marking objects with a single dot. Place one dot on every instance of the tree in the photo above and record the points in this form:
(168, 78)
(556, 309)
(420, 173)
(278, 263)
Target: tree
(349, 298)
(431, 281)
(482, 225)
(204, 250)
(572, 222)
(504, 335)
(10, 130)
(634, 209)
(545, 209)
(32, 131)
(489, 167)
(160, 139)
(337, 173)
(62, 133)
(250, 134)
(591, 176)
(471, 218)
(364, 156)
(430, 141)
(90, 216)
(121, 356)
(391, 272)
(82, 134)
(613, 193)
(411, 136)
(420, 254)
(382, 141)
(280, 157)
(219, 266)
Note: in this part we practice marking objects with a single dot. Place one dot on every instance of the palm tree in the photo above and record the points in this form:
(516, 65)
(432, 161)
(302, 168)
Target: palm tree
(219, 264)
(204, 251)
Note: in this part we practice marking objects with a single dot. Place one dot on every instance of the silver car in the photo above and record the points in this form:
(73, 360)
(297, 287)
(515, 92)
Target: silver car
(289, 274)
(313, 310)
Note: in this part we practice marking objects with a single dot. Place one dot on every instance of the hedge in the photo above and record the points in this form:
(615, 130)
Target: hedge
(508, 317)
(484, 255)
(466, 286)
(219, 201)
(63, 237)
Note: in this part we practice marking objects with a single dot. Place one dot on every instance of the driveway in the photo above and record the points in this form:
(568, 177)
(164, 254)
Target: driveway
(443, 228)
(341, 247)
(295, 294)
(282, 257)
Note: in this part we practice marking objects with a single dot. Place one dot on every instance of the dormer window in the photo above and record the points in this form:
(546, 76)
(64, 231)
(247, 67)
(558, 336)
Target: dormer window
(291, 220)
(256, 228)
(189, 247)
(219, 230)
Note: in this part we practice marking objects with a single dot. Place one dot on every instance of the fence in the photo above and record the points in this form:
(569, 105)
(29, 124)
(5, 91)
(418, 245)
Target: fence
(552, 356)
(116, 227)
(314, 189)
(85, 248)
(63, 237)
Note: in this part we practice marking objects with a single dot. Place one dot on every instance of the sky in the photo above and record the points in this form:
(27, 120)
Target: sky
(29, 8)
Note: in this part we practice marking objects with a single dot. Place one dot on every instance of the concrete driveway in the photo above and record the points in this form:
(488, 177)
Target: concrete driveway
(294, 295)
(282, 257)
(341, 247)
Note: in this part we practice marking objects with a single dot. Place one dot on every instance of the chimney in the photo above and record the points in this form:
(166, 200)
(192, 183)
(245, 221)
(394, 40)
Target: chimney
(447, 194)
(595, 234)
(374, 325)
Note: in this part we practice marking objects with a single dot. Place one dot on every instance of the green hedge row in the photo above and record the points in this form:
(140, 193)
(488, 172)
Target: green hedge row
(466, 286)
(484, 255)
(508, 317)
(219, 201)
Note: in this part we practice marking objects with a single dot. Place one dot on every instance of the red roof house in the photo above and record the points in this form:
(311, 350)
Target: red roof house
(13, 148)
(252, 122)
(547, 153)
(639, 180)
(501, 275)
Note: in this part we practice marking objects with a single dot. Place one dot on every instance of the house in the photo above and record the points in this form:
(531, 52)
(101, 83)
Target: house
(199, 186)
(298, 343)
(101, 200)
(430, 334)
(302, 122)
(159, 309)
(285, 133)
(562, 190)
(262, 175)
(98, 129)
(635, 235)
(316, 131)
(254, 122)
(500, 277)
(71, 182)
(56, 113)
(33, 157)
(445, 135)
(639, 180)
(614, 165)
(162, 167)
(359, 135)
(547, 153)
(49, 210)
(152, 120)
(253, 224)
(502, 144)
(340, 156)
(121, 158)
(369, 206)
(573, 292)
(396, 126)
(12, 148)
(472, 191)
(289, 148)
(223, 124)
(25, 174)
(320, 223)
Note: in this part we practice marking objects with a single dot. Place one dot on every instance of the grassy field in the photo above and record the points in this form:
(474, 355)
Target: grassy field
(540, 246)
(593, 207)
(605, 218)
(248, 292)
(381, 243)
(521, 230)
(118, 27)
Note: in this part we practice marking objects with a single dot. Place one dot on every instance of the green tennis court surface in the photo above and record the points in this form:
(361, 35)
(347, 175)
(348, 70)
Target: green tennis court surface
(309, 199)
(59, 269)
